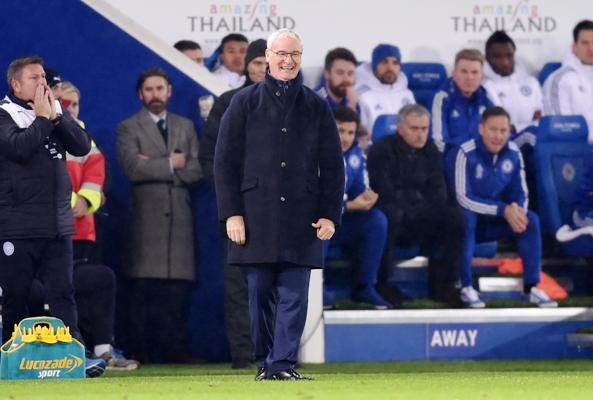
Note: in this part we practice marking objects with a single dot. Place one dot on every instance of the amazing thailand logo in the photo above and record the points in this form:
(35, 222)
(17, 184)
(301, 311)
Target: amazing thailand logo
(521, 16)
(259, 16)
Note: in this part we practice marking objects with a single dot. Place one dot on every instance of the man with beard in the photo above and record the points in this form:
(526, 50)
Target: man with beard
(158, 152)
(338, 74)
(390, 91)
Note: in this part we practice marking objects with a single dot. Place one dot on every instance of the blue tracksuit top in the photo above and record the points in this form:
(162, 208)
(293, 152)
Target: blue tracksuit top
(486, 183)
(455, 118)
(357, 180)
(584, 193)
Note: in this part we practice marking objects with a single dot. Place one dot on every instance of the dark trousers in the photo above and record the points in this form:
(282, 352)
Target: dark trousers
(94, 287)
(480, 228)
(278, 299)
(51, 261)
(158, 327)
(438, 230)
(236, 314)
(365, 234)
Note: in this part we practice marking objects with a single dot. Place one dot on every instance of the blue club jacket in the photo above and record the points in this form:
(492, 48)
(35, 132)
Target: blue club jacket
(486, 183)
(455, 118)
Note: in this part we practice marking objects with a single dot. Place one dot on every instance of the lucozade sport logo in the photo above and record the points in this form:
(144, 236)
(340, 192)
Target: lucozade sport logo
(257, 16)
(521, 16)
(51, 368)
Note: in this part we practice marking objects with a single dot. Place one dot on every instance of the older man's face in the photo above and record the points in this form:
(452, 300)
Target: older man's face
(284, 58)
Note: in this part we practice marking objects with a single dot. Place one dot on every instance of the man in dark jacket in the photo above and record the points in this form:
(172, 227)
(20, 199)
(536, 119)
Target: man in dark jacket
(236, 316)
(279, 179)
(405, 170)
(35, 216)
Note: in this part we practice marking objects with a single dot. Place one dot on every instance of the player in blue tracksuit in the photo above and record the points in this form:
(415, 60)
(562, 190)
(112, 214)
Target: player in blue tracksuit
(364, 227)
(583, 213)
(489, 181)
(457, 107)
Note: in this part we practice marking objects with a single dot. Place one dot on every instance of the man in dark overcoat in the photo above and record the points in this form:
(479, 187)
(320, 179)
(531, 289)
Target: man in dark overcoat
(279, 178)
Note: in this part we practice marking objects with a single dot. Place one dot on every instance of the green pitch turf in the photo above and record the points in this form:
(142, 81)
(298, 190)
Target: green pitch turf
(477, 380)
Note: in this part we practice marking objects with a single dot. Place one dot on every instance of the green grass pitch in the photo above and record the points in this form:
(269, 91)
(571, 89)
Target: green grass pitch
(475, 380)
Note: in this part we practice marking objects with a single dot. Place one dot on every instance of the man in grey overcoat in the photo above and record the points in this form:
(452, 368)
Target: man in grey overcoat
(158, 152)
(279, 178)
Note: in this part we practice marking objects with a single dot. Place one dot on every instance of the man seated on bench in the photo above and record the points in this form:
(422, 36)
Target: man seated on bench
(364, 227)
(488, 176)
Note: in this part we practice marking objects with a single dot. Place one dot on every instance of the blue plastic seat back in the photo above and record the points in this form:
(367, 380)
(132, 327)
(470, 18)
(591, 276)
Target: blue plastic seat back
(547, 70)
(384, 125)
(560, 156)
(424, 80)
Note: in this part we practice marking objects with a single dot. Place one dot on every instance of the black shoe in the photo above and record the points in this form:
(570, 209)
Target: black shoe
(289, 375)
(261, 374)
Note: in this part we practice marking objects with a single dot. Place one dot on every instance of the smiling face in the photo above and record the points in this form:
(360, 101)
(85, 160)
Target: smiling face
(284, 58)
(495, 132)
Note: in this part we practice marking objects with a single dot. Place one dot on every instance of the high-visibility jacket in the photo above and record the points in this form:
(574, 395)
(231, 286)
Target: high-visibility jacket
(87, 175)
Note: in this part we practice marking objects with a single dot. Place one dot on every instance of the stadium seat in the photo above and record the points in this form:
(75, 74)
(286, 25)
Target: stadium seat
(424, 80)
(560, 157)
(384, 125)
(547, 70)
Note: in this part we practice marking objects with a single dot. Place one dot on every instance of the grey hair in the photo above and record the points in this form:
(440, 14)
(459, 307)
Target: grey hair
(412, 109)
(282, 33)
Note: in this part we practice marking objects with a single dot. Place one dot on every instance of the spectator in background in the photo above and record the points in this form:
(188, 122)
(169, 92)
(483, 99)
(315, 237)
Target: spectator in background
(405, 170)
(158, 153)
(457, 107)
(569, 90)
(517, 92)
(490, 187)
(236, 310)
(71, 101)
(364, 227)
(390, 92)
(191, 49)
(338, 74)
(232, 50)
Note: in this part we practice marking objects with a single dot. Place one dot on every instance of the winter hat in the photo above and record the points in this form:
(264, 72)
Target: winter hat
(257, 48)
(52, 77)
(382, 51)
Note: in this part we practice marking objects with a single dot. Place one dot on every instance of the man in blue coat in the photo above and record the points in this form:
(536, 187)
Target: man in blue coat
(279, 179)
(489, 182)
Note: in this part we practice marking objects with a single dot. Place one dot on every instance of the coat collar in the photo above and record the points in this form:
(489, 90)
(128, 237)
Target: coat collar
(151, 129)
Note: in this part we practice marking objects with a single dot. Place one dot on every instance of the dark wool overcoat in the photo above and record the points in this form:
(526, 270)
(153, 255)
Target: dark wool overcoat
(278, 163)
